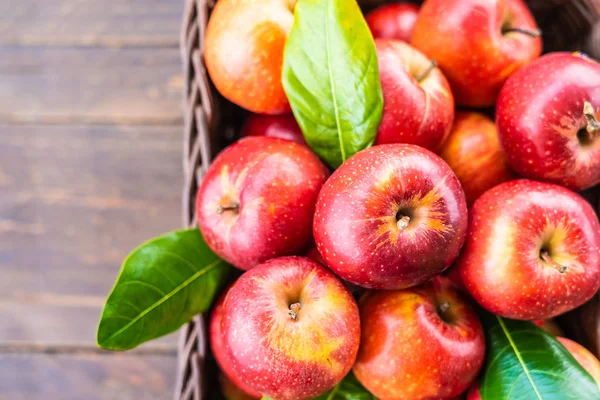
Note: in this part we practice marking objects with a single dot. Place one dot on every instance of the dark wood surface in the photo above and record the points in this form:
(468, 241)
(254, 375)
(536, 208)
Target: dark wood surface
(90, 167)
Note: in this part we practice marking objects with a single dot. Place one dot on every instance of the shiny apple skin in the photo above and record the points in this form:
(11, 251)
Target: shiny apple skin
(465, 38)
(232, 383)
(583, 357)
(540, 111)
(408, 352)
(275, 126)
(474, 153)
(243, 51)
(355, 226)
(288, 359)
(414, 112)
(276, 183)
(393, 21)
(509, 225)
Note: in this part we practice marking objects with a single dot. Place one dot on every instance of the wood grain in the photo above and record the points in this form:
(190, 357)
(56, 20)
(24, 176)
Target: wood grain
(74, 201)
(86, 376)
(114, 23)
(90, 85)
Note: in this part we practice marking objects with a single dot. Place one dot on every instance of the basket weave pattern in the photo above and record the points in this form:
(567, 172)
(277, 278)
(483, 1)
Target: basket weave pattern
(208, 124)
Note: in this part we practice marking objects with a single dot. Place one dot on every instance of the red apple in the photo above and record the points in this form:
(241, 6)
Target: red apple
(547, 115)
(243, 51)
(474, 153)
(583, 357)
(393, 21)
(418, 107)
(291, 328)
(230, 382)
(419, 343)
(532, 251)
(477, 44)
(257, 200)
(391, 217)
(276, 126)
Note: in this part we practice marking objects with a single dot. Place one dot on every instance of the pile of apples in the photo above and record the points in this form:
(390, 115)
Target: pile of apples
(439, 188)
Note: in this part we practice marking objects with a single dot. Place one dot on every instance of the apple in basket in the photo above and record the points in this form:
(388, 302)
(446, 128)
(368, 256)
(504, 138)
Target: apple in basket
(418, 106)
(474, 153)
(548, 117)
(392, 216)
(532, 251)
(477, 44)
(243, 50)
(290, 328)
(257, 200)
(393, 21)
(424, 342)
(276, 126)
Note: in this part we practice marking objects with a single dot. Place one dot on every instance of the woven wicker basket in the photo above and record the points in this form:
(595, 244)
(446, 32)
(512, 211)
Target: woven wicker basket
(211, 122)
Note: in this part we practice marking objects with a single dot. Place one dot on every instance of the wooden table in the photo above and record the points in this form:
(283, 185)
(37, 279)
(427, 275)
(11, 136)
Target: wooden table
(90, 166)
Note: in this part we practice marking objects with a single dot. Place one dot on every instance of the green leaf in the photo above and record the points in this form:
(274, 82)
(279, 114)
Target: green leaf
(331, 78)
(348, 389)
(161, 286)
(526, 363)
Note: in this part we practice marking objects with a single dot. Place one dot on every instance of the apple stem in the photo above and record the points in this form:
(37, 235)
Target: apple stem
(593, 126)
(530, 32)
(444, 307)
(546, 257)
(221, 209)
(294, 310)
(403, 222)
(426, 72)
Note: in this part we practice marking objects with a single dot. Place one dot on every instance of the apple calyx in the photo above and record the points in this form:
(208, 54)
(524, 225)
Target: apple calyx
(443, 307)
(426, 71)
(593, 126)
(534, 33)
(235, 207)
(403, 222)
(544, 255)
(294, 310)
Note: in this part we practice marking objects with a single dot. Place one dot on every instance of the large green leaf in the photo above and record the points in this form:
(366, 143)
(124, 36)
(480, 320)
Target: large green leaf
(161, 286)
(331, 78)
(526, 363)
(348, 389)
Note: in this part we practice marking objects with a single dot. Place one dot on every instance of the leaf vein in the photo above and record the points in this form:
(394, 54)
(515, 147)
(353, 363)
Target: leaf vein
(166, 297)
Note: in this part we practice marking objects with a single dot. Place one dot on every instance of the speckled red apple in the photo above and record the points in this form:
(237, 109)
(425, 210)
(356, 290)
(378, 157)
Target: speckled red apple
(477, 44)
(532, 251)
(243, 51)
(419, 343)
(231, 381)
(257, 200)
(474, 153)
(583, 357)
(547, 116)
(275, 126)
(390, 217)
(418, 107)
(291, 328)
(393, 21)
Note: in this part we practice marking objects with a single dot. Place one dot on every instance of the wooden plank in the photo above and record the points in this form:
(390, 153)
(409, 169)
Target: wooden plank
(74, 201)
(91, 85)
(113, 23)
(86, 376)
